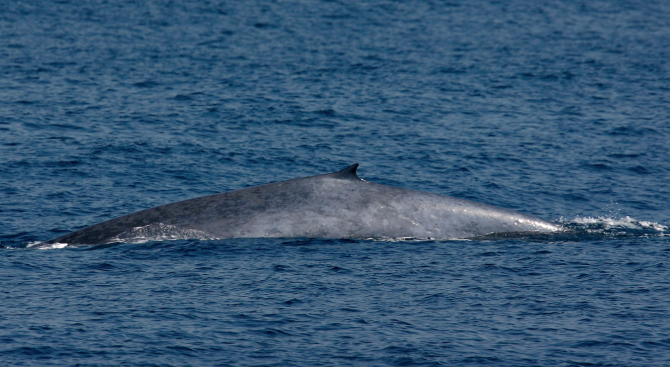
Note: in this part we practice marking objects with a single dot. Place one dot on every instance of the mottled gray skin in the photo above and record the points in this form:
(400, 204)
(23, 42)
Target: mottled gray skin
(334, 205)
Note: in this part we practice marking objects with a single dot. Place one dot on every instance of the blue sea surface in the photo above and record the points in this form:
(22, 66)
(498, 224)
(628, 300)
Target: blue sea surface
(555, 109)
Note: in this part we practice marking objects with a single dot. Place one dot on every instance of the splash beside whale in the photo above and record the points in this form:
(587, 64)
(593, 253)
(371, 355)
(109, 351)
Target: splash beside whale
(334, 205)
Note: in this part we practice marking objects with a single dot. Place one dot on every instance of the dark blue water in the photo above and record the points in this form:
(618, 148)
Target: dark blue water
(556, 109)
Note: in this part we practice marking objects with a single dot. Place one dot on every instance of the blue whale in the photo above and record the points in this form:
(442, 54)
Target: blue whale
(333, 205)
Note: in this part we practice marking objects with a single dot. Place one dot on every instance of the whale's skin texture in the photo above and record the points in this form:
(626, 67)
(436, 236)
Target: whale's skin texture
(334, 205)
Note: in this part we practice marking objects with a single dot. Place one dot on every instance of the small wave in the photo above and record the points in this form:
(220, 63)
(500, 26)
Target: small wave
(617, 227)
(589, 228)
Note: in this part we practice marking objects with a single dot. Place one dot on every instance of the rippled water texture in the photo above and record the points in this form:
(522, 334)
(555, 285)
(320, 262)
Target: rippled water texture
(555, 109)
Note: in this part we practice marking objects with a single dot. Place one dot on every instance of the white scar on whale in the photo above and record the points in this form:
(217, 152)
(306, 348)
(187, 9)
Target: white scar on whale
(333, 205)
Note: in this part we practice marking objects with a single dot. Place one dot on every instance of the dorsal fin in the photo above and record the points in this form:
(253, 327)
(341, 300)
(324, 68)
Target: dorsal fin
(348, 173)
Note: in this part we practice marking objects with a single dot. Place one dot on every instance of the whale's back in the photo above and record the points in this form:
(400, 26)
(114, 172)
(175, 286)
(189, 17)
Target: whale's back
(336, 205)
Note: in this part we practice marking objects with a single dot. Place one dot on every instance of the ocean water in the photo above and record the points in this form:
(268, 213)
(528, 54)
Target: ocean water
(555, 109)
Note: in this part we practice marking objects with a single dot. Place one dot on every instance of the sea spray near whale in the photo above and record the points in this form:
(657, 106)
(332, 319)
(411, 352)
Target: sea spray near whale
(334, 205)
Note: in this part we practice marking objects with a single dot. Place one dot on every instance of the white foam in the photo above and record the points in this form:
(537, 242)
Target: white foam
(596, 224)
(656, 226)
(55, 245)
